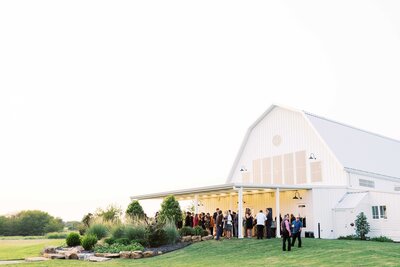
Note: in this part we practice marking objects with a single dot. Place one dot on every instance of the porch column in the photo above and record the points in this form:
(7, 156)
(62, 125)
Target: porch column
(277, 213)
(240, 213)
(196, 204)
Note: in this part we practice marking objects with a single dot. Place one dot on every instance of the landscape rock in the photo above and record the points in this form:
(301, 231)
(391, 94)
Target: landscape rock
(36, 259)
(196, 238)
(137, 254)
(71, 255)
(49, 250)
(187, 238)
(205, 238)
(85, 256)
(125, 254)
(98, 259)
(148, 254)
(54, 256)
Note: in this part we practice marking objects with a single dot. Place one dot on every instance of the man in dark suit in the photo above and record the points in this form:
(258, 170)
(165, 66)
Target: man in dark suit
(268, 223)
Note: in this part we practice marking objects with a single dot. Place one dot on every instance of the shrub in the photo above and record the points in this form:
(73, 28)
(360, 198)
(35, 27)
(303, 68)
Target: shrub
(135, 210)
(156, 236)
(348, 237)
(56, 236)
(204, 233)
(82, 229)
(118, 231)
(116, 248)
(198, 230)
(123, 241)
(143, 242)
(170, 210)
(98, 230)
(111, 214)
(172, 234)
(362, 226)
(73, 239)
(110, 240)
(186, 230)
(88, 241)
(381, 239)
(134, 232)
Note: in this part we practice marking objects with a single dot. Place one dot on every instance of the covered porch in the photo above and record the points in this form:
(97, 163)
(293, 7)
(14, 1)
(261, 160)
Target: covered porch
(286, 199)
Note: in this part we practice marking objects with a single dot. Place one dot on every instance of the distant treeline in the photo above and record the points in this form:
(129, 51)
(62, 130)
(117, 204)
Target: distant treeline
(29, 223)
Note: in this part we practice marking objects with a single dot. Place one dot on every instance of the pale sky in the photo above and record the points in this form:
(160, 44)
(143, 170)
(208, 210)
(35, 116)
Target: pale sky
(101, 100)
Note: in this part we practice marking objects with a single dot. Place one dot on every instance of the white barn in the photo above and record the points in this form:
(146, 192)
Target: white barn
(296, 162)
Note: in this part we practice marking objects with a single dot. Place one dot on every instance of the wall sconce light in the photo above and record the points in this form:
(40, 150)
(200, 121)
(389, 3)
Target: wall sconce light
(312, 156)
(297, 195)
(243, 169)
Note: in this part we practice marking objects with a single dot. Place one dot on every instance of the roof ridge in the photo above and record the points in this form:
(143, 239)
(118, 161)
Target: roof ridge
(350, 126)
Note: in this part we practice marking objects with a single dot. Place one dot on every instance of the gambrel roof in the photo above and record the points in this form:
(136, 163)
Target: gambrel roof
(357, 150)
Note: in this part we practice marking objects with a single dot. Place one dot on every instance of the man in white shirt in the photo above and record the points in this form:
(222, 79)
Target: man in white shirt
(260, 218)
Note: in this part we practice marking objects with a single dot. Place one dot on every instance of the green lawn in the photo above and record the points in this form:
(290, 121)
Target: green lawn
(20, 249)
(262, 253)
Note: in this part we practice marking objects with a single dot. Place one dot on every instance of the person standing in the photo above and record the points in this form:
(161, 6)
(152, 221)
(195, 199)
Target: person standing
(268, 223)
(228, 225)
(286, 234)
(215, 219)
(297, 227)
(249, 223)
(260, 220)
(219, 224)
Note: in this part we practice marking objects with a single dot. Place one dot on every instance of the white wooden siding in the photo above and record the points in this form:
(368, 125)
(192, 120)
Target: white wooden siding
(296, 135)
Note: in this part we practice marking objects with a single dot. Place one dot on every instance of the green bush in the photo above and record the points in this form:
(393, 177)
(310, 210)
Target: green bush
(198, 230)
(143, 242)
(118, 231)
(381, 239)
(98, 230)
(56, 236)
(362, 226)
(73, 239)
(135, 210)
(124, 241)
(204, 233)
(110, 240)
(156, 236)
(349, 237)
(116, 248)
(186, 230)
(88, 241)
(171, 232)
(134, 232)
(170, 210)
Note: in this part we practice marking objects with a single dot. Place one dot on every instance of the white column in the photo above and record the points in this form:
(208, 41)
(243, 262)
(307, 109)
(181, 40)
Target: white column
(277, 212)
(196, 204)
(240, 213)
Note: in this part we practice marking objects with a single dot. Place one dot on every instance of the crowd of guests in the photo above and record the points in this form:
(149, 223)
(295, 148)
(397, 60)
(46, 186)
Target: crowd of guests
(262, 224)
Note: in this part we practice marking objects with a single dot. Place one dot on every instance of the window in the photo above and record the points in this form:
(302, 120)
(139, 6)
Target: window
(382, 211)
(366, 183)
(379, 212)
(375, 214)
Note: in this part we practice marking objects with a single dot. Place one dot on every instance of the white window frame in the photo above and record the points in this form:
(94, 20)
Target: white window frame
(379, 212)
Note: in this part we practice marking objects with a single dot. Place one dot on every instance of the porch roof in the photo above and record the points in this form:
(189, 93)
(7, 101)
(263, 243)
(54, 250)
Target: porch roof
(218, 189)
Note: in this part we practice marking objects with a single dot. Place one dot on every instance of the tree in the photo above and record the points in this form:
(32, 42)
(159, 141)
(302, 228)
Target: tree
(362, 226)
(87, 219)
(135, 210)
(111, 214)
(170, 210)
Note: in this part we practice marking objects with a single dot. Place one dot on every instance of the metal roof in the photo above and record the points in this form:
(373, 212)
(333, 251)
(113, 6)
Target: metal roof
(218, 189)
(358, 149)
(351, 200)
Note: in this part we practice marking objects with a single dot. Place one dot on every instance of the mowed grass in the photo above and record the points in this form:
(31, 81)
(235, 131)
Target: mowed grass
(20, 249)
(253, 252)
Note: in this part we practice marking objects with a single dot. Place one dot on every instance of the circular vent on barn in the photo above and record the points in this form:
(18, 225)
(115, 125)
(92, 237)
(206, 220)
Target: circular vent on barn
(277, 140)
